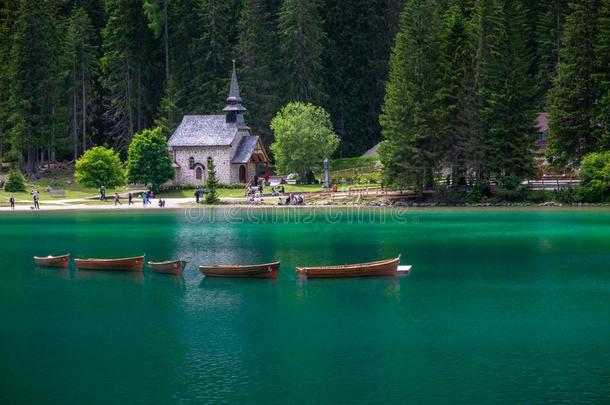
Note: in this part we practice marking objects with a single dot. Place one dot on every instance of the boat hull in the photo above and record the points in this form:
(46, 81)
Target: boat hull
(126, 264)
(174, 267)
(373, 269)
(267, 270)
(53, 261)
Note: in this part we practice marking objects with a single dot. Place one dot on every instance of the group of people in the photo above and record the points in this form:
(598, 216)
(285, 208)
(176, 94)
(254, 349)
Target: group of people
(292, 199)
(147, 196)
(35, 197)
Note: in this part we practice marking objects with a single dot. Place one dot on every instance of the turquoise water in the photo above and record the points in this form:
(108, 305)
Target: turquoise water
(501, 307)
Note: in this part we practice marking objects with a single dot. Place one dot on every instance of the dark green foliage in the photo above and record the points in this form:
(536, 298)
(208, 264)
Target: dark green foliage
(467, 76)
(14, 182)
(356, 67)
(81, 60)
(509, 111)
(34, 81)
(208, 88)
(548, 29)
(148, 161)
(602, 75)
(573, 120)
(410, 151)
(302, 41)
(455, 97)
(128, 72)
(256, 54)
(169, 114)
(211, 185)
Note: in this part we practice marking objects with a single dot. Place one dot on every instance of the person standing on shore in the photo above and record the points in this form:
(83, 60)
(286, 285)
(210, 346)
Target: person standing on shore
(197, 194)
(117, 199)
(11, 201)
(130, 199)
(36, 204)
(102, 193)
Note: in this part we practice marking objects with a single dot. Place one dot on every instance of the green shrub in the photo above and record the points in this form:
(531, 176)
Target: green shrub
(567, 195)
(480, 192)
(595, 175)
(510, 182)
(15, 182)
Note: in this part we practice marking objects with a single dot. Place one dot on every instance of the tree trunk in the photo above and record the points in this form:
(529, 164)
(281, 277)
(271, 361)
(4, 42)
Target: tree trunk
(84, 112)
(129, 105)
(139, 98)
(166, 40)
(74, 111)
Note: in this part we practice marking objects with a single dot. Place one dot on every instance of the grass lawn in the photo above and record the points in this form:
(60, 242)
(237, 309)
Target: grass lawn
(352, 162)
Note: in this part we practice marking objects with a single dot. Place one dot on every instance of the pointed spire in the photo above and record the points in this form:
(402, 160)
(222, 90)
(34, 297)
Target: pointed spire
(234, 99)
(234, 90)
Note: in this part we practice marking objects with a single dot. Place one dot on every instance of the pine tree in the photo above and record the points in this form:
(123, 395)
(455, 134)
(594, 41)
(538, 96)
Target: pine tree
(573, 123)
(356, 67)
(456, 94)
(185, 58)
(301, 44)
(510, 107)
(213, 57)
(211, 185)
(35, 78)
(256, 51)
(168, 117)
(8, 11)
(128, 70)
(82, 63)
(548, 37)
(410, 152)
(602, 77)
(486, 26)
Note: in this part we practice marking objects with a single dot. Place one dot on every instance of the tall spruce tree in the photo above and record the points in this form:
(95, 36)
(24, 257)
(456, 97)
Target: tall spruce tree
(602, 77)
(212, 58)
(455, 97)
(8, 12)
(510, 109)
(356, 68)
(548, 36)
(81, 58)
(410, 151)
(302, 41)
(35, 79)
(128, 70)
(573, 122)
(256, 52)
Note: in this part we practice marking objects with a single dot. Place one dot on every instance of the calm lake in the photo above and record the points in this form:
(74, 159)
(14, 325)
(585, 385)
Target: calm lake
(502, 306)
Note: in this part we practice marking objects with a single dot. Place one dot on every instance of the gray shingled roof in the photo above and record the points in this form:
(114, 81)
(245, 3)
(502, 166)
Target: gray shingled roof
(203, 130)
(245, 149)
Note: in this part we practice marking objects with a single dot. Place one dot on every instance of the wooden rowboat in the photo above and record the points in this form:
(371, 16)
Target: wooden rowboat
(174, 267)
(380, 268)
(126, 264)
(267, 270)
(53, 261)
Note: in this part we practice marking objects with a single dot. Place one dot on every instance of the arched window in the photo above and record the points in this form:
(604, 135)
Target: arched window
(199, 173)
(191, 163)
(209, 162)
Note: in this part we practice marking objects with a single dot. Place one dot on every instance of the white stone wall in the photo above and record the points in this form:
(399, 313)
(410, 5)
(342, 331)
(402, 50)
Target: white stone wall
(220, 154)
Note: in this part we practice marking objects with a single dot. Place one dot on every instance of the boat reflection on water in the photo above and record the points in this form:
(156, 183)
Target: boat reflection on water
(63, 273)
(96, 275)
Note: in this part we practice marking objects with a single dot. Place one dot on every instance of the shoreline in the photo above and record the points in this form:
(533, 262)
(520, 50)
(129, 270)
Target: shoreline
(179, 204)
